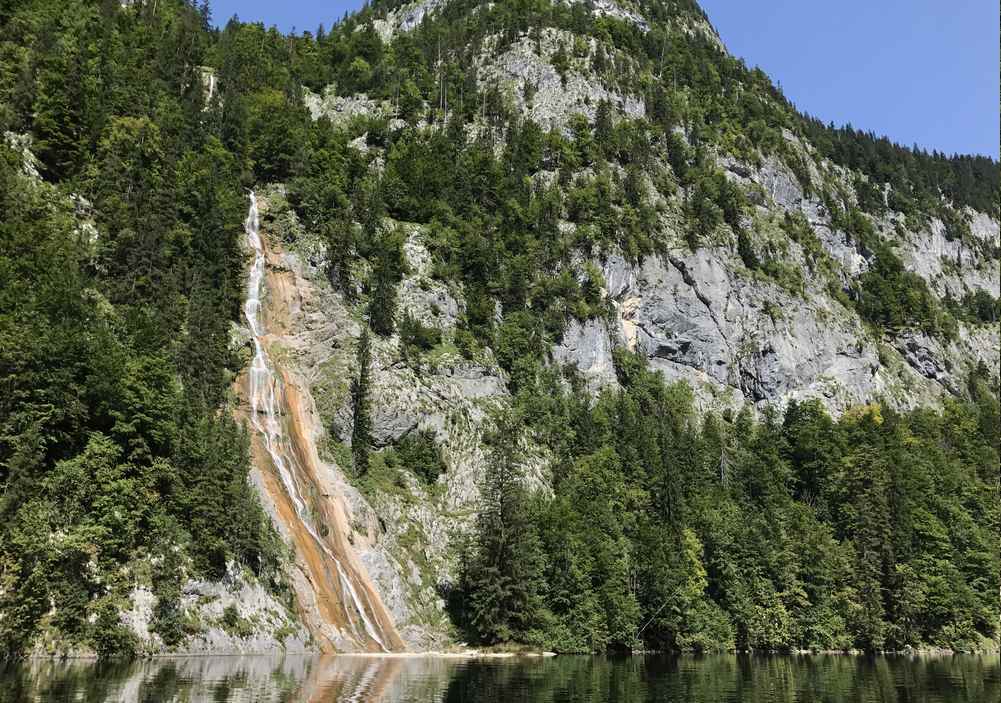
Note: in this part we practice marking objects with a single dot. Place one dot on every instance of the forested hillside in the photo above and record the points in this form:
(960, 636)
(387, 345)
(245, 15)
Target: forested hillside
(456, 222)
(121, 277)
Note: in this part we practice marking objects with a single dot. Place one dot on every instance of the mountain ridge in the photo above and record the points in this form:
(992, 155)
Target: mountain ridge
(576, 278)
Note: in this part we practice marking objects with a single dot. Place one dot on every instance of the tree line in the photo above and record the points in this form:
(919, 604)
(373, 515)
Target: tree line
(120, 461)
(123, 276)
(671, 529)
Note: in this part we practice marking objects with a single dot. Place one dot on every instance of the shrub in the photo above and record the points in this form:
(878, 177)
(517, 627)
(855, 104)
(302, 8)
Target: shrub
(419, 452)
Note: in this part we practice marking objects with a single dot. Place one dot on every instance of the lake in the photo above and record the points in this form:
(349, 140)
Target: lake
(709, 679)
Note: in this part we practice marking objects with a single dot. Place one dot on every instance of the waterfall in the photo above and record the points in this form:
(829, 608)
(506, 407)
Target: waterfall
(265, 399)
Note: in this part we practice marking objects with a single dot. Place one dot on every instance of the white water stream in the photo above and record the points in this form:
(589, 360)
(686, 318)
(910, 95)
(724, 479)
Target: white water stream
(264, 390)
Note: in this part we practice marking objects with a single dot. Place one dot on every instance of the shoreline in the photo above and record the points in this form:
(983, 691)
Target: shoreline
(928, 652)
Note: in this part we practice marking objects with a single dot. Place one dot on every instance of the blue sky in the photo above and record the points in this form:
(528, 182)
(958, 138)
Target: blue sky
(919, 71)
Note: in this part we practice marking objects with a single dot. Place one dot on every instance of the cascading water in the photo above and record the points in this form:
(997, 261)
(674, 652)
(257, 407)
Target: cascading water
(262, 380)
(266, 401)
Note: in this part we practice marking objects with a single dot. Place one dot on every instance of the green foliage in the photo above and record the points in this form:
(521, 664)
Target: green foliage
(419, 452)
(235, 624)
(589, 584)
(917, 179)
(711, 200)
(276, 131)
(798, 229)
(505, 572)
(388, 268)
(666, 530)
(217, 504)
(561, 62)
(894, 297)
(977, 307)
(746, 251)
(115, 311)
(168, 617)
(416, 339)
(887, 294)
(361, 428)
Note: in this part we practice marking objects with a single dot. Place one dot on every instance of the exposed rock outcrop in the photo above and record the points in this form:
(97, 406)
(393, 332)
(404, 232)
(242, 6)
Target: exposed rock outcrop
(738, 334)
(236, 615)
(526, 75)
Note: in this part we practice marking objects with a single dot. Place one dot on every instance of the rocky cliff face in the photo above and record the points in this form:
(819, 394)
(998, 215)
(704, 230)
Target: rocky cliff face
(401, 535)
(741, 338)
(704, 317)
(738, 336)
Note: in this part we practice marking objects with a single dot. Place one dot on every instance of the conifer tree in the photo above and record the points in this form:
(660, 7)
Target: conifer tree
(361, 433)
(506, 576)
(382, 306)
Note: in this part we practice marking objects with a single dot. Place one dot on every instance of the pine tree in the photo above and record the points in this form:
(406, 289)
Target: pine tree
(506, 571)
(868, 521)
(361, 433)
(382, 306)
(387, 271)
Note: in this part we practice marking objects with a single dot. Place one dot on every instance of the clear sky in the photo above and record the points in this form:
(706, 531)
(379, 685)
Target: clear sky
(918, 71)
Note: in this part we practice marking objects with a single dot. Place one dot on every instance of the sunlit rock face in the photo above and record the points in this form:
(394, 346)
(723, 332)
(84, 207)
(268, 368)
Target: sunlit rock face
(737, 336)
(339, 604)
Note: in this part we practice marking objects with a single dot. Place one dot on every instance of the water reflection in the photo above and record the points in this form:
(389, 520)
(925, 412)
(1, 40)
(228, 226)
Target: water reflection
(717, 679)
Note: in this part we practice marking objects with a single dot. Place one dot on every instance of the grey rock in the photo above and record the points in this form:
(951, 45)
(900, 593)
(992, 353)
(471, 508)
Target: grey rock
(339, 109)
(588, 347)
(271, 627)
(406, 18)
(554, 101)
(615, 10)
(923, 353)
(427, 300)
(735, 338)
(954, 267)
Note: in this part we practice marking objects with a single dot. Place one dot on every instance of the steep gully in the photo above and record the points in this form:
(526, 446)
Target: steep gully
(337, 600)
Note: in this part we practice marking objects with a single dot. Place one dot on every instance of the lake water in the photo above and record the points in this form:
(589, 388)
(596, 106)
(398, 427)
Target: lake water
(710, 679)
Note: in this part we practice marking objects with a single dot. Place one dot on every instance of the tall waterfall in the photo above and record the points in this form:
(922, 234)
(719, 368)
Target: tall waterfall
(267, 405)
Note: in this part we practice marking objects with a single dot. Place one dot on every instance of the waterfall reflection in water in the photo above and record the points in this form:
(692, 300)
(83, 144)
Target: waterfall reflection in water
(710, 679)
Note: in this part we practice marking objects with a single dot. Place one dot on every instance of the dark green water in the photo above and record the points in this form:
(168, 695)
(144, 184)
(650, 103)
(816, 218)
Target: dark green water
(715, 679)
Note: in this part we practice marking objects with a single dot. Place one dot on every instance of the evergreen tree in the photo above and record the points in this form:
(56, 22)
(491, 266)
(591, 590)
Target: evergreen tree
(505, 581)
(388, 268)
(361, 432)
(382, 304)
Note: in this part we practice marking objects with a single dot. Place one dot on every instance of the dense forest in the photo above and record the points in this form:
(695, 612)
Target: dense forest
(117, 454)
(122, 276)
(670, 530)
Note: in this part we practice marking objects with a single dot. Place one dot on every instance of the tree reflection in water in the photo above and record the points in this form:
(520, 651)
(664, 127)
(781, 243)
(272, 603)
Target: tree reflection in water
(710, 679)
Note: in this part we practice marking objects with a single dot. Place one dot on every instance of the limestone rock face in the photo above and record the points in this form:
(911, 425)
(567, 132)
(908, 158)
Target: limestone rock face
(340, 108)
(735, 341)
(739, 336)
(406, 18)
(957, 266)
(236, 615)
(616, 10)
(526, 75)
(588, 347)
(21, 144)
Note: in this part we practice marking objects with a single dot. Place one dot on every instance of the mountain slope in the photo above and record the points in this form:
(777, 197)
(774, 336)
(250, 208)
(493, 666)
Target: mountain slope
(581, 211)
(561, 327)
(864, 241)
